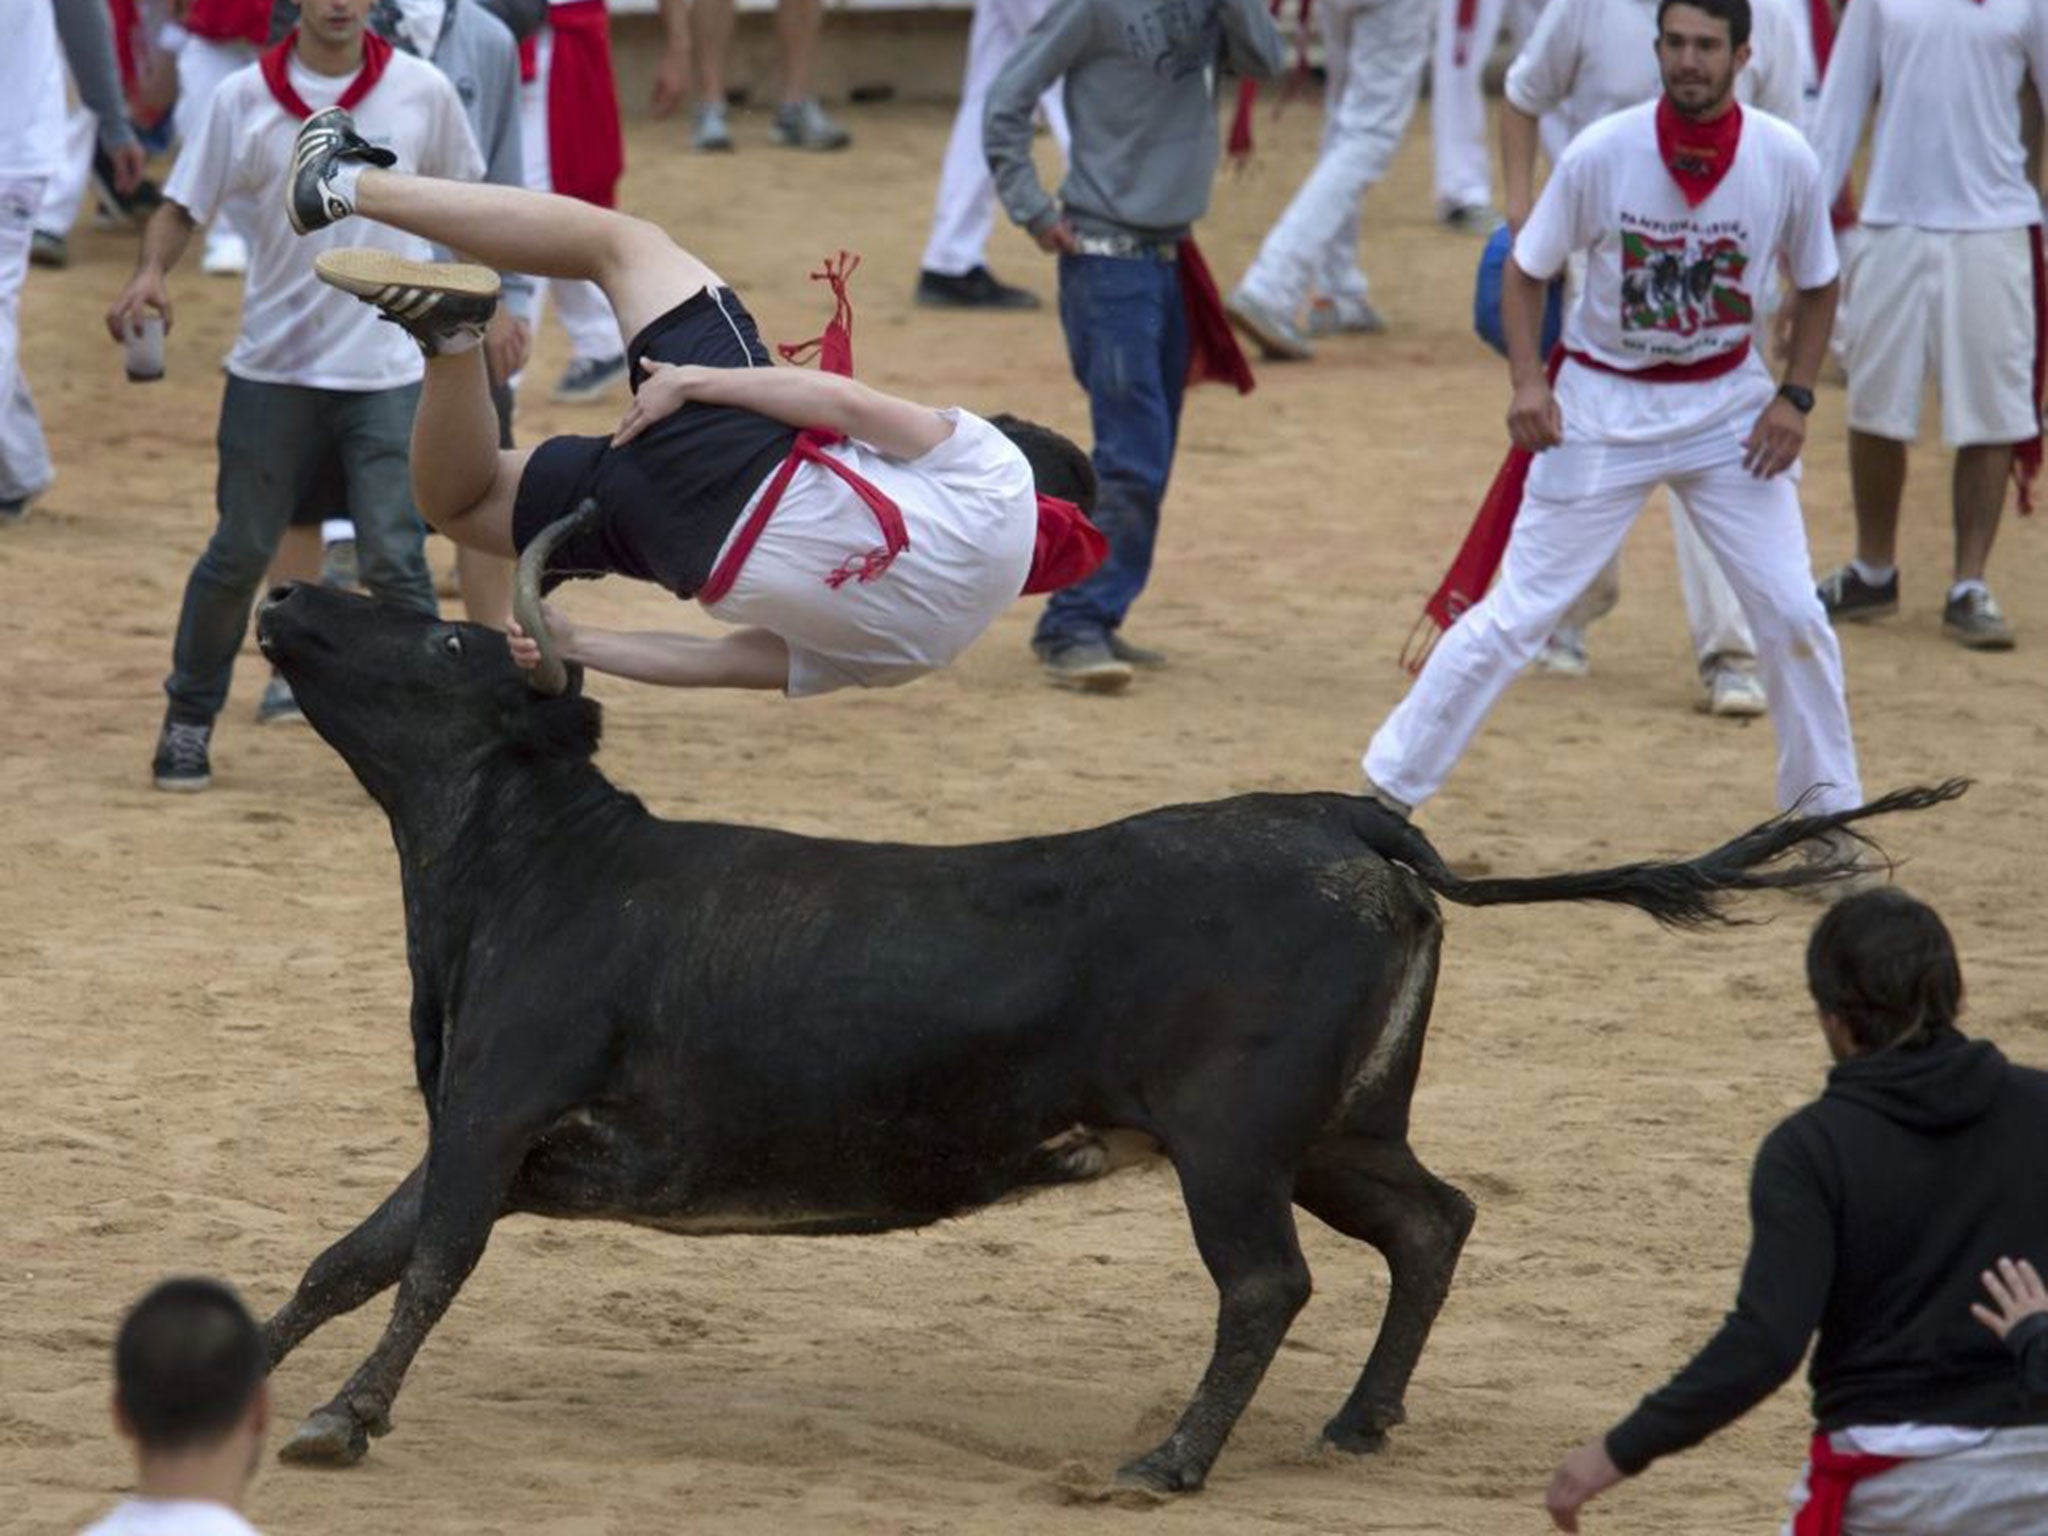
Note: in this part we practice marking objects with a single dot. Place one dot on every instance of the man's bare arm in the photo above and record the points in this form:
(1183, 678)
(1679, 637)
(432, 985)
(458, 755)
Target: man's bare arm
(798, 397)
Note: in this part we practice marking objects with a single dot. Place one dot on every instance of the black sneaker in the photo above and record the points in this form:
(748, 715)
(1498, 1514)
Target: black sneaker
(1087, 665)
(1849, 599)
(325, 140)
(47, 248)
(977, 289)
(435, 301)
(1976, 622)
(182, 764)
(13, 511)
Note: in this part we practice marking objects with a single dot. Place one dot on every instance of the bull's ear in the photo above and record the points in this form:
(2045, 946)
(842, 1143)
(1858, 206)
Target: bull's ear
(568, 726)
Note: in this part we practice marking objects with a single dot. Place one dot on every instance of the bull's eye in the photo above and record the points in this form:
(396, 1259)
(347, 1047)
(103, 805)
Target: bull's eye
(452, 642)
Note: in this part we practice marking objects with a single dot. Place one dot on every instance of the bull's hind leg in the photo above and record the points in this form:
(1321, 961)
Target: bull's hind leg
(1377, 1191)
(1245, 1232)
(351, 1271)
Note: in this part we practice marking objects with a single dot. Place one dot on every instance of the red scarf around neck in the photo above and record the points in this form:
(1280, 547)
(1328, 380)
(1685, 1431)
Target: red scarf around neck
(1697, 154)
(276, 66)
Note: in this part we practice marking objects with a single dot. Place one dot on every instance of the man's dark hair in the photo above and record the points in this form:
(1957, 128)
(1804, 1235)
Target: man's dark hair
(187, 1363)
(1883, 963)
(1058, 466)
(1734, 12)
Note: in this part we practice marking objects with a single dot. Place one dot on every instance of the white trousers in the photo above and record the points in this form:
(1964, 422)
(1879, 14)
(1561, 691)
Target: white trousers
(203, 63)
(1999, 1488)
(587, 317)
(1374, 52)
(64, 194)
(965, 213)
(1581, 500)
(1457, 101)
(24, 456)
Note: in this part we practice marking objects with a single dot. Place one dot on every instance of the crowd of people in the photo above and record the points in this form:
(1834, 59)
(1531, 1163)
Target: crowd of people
(446, 165)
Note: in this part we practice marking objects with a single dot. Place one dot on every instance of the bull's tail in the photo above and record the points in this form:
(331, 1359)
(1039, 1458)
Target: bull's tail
(1682, 895)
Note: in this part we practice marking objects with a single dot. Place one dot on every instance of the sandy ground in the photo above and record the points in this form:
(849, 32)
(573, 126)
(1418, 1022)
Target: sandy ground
(204, 998)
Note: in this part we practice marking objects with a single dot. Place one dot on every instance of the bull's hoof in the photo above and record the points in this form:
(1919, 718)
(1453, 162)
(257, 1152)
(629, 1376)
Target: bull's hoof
(1156, 1475)
(1357, 1439)
(328, 1438)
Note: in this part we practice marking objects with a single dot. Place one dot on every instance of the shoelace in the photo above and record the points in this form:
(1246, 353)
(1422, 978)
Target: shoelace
(185, 744)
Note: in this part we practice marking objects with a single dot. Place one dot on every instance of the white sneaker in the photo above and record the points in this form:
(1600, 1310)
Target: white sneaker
(1734, 693)
(1563, 654)
(226, 254)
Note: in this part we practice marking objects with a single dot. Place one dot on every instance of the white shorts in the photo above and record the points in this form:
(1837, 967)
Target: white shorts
(1996, 1487)
(1958, 305)
(971, 512)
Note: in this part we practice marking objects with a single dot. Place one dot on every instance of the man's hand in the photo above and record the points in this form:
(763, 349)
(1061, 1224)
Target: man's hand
(526, 649)
(145, 291)
(667, 388)
(671, 81)
(1534, 421)
(129, 162)
(1060, 239)
(2016, 1292)
(1583, 1475)
(1773, 444)
(508, 341)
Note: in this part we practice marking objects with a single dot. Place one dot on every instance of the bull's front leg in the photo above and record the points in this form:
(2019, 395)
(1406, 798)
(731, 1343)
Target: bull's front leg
(1245, 1230)
(469, 1168)
(351, 1271)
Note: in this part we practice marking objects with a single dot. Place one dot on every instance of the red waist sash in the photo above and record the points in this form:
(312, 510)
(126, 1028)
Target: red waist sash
(1830, 1474)
(1717, 366)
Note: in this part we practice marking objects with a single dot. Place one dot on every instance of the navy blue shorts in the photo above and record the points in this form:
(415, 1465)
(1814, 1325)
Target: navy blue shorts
(670, 496)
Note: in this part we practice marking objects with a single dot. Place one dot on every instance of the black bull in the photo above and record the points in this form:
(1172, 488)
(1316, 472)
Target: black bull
(716, 1029)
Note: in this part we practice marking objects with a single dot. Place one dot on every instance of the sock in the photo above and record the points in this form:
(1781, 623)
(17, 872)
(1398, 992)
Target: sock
(1875, 575)
(454, 341)
(336, 530)
(1963, 588)
(340, 182)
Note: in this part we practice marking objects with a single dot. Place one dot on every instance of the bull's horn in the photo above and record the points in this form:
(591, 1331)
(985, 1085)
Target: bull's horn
(551, 677)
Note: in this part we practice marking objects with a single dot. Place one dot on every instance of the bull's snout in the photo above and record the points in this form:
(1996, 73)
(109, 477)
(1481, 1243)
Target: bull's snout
(266, 611)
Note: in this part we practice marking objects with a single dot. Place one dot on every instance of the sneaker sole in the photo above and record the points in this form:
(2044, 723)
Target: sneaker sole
(1976, 642)
(369, 274)
(1113, 678)
(1277, 348)
(1734, 709)
(1862, 615)
(185, 786)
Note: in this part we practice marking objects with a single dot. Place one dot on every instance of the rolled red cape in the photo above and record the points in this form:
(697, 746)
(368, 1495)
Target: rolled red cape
(275, 64)
(2026, 456)
(1067, 546)
(1830, 1474)
(586, 147)
(1479, 556)
(1214, 357)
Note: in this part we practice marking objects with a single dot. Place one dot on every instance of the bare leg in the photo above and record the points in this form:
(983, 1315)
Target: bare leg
(486, 586)
(797, 24)
(1979, 493)
(463, 482)
(711, 38)
(643, 272)
(1877, 479)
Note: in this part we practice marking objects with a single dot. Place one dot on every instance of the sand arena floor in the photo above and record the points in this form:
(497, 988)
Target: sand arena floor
(204, 999)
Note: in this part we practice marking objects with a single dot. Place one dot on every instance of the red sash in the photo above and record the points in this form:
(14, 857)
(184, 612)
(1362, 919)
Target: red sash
(230, 21)
(1067, 546)
(1717, 366)
(1830, 1474)
(276, 66)
(586, 148)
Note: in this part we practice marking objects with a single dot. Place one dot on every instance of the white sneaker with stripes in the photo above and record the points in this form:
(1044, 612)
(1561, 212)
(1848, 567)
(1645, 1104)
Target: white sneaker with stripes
(444, 305)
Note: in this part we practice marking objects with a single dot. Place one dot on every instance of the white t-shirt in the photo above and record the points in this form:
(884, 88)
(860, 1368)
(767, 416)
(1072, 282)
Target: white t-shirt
(970, 509)
(1667, 283)
(1946, 153)
(1588, 59)
(170, 1517)
(31, 89)
(295, 329)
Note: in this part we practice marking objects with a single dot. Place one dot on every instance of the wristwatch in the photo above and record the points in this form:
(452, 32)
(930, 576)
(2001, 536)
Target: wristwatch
(1798, 396)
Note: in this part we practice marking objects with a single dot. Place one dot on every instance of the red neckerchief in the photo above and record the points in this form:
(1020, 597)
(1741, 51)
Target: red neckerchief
(1697, 154)
(276, 65)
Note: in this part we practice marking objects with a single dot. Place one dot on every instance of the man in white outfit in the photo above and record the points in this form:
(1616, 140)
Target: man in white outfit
(1374, 52)
(954, 273)
(1682, 206)
(1586, 60)
(1466, 32)
(1945, 280)
(32, 117)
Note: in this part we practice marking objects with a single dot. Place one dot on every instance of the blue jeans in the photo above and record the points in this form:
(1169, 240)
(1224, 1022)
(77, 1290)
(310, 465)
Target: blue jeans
(1127, 338)
(273, 441)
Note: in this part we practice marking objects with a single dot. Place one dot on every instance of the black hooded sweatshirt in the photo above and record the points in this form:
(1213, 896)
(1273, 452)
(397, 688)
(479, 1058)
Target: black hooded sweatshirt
(1874, 1210)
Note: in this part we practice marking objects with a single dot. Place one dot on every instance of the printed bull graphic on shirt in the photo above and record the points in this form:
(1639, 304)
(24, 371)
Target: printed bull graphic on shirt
(1684, 284)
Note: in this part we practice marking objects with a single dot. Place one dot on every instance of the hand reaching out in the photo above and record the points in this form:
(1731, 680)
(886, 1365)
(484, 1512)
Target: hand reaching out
(2016, 1292)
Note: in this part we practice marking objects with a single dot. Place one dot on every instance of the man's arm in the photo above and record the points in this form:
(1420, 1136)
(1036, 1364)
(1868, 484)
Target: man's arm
(2018, 1314)
(1776, 441)
(672, 74)
(1534, 420)
(1051, 48)
(87, 34)
(742, 658)
(1520, 134)
(164, 239)
(797, 397)
(1252, 45)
